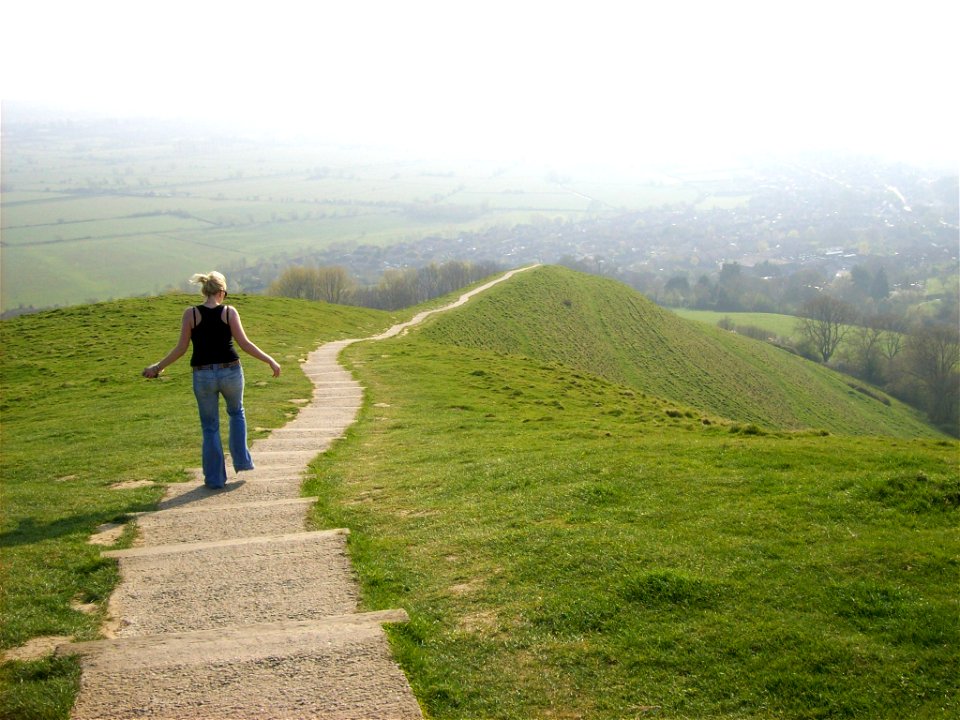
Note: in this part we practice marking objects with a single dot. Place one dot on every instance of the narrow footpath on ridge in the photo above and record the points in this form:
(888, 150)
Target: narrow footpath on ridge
(229, 609)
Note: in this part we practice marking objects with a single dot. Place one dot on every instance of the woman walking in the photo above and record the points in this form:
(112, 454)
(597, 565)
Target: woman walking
(213, 327)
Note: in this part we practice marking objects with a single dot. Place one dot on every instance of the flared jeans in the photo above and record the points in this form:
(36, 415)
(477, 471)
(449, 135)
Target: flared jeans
(208, 385)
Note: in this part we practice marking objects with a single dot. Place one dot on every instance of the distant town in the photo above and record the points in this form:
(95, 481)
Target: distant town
(785, 231)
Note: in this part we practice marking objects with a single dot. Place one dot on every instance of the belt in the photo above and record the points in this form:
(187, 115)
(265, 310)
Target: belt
(216, 366)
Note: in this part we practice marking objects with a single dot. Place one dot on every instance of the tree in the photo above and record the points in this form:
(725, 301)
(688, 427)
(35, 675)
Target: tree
(328, 284)
(730, 287)
(891, 342)
(933, 355)
(294, 282)
(676, 291)
(398, 289)
(866, 352)
(825, 321)
(880, 286)
(334, 284)
(861, 279)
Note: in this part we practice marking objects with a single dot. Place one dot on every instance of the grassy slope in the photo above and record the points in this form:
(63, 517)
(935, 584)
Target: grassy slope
(603, 327)
(77, 418)
(567, 547)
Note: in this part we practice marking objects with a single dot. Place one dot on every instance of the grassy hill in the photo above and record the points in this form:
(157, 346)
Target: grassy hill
(568, 541)
(605, 328)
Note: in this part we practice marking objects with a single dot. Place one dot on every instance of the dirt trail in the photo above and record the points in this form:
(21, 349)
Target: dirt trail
(228, 608)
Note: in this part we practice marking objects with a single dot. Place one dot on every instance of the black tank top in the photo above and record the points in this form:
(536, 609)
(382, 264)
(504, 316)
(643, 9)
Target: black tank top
(212, 339)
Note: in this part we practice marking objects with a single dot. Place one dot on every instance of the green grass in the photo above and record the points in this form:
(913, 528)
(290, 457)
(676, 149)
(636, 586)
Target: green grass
(784, 326)
(78, 418)
(568, 542)
(604, 327)
(568, 547)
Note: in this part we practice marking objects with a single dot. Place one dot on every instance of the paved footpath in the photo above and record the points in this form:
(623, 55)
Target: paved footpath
(229, 609)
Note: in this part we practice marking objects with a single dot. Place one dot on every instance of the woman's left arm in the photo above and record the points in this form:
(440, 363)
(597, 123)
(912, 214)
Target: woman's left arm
(247, 345)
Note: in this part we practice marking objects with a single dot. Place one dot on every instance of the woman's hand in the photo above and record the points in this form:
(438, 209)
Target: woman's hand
(275, 366)
(151, 372)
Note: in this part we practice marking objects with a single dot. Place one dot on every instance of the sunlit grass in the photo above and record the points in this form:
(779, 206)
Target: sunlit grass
(77, 419)
(603, 327)
(567, 541)
(568, 547)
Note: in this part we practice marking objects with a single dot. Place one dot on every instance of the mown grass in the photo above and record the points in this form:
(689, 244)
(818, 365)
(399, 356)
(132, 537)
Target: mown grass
(569, 547)
(78, 419)
(604, 327)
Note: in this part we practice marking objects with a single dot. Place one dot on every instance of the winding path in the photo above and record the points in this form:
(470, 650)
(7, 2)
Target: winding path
(228, 608)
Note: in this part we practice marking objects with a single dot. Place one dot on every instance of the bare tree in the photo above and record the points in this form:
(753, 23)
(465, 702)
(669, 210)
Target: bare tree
(866, 350)
(933, 356)
(891, 342)
(334, 284)
(294, 282)
(825, 322)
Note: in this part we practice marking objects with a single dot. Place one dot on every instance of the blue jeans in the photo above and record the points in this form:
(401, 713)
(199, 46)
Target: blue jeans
(208, 385)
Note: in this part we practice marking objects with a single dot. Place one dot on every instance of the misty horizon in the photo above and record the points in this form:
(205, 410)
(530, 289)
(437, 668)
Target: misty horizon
(552, 82)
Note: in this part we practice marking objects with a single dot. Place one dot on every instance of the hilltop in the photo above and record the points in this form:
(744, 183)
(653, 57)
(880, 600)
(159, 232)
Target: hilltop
(605, 328)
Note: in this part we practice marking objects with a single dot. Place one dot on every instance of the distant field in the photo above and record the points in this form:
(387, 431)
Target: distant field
(95, 218)
(784, 326)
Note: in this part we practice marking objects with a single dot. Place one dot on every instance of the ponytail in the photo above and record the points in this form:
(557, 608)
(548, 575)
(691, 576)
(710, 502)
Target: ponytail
(210, 283)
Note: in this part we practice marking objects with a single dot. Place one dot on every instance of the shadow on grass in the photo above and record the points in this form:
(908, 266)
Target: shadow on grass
(29, 531)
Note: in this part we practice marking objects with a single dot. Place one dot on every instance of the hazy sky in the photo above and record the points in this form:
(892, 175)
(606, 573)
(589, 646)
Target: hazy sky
(614, 80)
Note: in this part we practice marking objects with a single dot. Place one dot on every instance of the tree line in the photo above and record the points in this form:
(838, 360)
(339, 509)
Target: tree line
(917, 362)
(397, 288)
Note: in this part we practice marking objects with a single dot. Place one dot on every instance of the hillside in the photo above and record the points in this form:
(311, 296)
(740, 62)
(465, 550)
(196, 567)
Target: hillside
(604, 548)
(604, 328)
(612, 557)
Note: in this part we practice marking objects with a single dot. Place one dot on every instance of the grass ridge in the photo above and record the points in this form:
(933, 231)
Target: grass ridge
(603, 327)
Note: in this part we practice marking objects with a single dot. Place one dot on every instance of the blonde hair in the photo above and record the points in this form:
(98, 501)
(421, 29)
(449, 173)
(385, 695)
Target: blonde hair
(210, 283)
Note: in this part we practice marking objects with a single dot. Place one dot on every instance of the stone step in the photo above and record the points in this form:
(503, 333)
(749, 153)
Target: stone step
(197, 523)
(308, 441)
(325, 416)
(334, 668)
(266, 459)
(295, 431)
(256, 486)
(347, 393)
(194, 586)
(287, 477)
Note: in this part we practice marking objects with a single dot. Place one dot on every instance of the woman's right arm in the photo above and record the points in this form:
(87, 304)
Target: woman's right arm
(186, 326)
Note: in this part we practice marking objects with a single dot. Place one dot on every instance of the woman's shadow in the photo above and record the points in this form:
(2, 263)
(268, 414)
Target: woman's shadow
(198, 493)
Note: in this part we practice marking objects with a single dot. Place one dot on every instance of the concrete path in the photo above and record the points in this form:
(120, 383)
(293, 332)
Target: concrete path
(228, 608)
